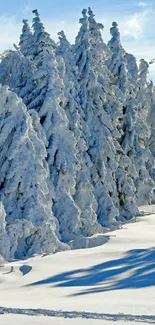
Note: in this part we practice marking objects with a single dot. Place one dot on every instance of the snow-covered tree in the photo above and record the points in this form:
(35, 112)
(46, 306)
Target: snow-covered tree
(4, 238)
(95, 30)
(69, 74)
(42, 50)
(145, 99)
(151, 116)
(41, 39)
(116, 62)
(97, 135)
(131, 65)
(144, 90)
(26, 39)
(143, 71)
(84, 196)
(135, 130)
(49, 96)
(134, 143)
(62, 152)
(46, 98)
(98, 100)
(151, 146)
(24, 179)
(16, 71)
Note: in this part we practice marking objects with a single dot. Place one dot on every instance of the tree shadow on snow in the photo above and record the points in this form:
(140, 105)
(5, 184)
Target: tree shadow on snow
(25, 269)
(135, 270)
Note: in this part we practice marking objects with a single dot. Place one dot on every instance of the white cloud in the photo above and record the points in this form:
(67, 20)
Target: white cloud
(135, 25)
(143, 4)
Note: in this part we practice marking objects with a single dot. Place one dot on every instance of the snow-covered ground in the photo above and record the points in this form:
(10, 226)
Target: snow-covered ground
(100, 285)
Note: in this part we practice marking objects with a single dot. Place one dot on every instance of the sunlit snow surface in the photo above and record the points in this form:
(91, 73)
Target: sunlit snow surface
(112, 282)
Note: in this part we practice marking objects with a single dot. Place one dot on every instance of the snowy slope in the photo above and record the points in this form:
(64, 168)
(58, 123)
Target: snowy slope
(112, 282)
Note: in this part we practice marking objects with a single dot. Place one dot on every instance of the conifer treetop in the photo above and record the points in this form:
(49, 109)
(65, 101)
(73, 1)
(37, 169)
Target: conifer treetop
(63, 38)
(143, 71)
(35, 11)
(95, 30)
(92, 20)
(25, 37)
(84, 20)
(115, 40)
(37, 24)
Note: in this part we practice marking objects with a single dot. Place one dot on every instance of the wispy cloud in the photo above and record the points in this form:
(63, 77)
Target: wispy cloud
(138, 36)
(136, 24)
(143, 4)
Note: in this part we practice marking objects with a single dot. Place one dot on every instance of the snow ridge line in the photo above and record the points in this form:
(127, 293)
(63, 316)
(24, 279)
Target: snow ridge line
(79, 314)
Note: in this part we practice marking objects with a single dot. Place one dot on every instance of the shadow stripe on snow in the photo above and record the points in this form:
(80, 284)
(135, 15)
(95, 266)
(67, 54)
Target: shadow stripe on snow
(79, 314)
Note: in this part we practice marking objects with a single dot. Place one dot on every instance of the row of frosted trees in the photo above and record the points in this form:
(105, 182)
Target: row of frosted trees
(76, 138)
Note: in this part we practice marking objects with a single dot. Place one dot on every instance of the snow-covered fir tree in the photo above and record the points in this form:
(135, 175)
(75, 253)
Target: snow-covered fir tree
(136, 136)
(95, 30)
(41, 48)
(69, 74)
(116, 62)
(144, 90)
(4, 238)
(24, 182)
(26, 39)
(84, 195)
(113, 105)
(16, 71)
(97, 134)
(144, 97)
(131, 65)
(135, 130)
(41, 39)
(151, 122)
(97, 97)
(61, 146)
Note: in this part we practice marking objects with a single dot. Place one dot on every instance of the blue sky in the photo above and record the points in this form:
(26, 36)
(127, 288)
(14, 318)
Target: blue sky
(135, 18)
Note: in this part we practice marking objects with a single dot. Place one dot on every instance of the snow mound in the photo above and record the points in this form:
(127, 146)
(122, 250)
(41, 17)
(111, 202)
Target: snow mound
(89, 242)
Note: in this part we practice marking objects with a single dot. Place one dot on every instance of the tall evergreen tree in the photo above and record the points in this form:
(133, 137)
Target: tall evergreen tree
(97, 134)
(116, 63)
(144, 90)
(151, 146)
(113, 104)
(26, 39)
(84, 195)
(4, 238)
(24, 179)
(42, 41)
(131, 65)
(16, 71)
(96, 34)
(49, 97)
(96, 90)
(135, 129)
